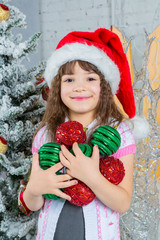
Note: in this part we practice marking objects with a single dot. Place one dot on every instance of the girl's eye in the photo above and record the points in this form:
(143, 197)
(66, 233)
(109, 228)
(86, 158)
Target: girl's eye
(68, 80)
(91, 79)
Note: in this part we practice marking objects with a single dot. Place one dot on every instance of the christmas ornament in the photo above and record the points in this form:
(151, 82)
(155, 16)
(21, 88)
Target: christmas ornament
(3, 145)
(4, 13)
(39, 79)
(112, 169)
(45, 89)
(49, 156)
(107, 139)
(45, 93)
(80, 194)
(69, 132)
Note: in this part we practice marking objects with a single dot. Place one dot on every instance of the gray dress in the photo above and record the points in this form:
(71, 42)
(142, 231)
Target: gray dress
(70, 224)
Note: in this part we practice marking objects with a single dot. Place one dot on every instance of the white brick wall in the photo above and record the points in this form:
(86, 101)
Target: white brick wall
(58, 17)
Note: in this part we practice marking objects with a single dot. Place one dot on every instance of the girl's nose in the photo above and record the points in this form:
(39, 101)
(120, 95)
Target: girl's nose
(79, 89)
(79, 86)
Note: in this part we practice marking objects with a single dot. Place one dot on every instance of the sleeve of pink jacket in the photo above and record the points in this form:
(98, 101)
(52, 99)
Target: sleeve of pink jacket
(40, 139)
(127, 141)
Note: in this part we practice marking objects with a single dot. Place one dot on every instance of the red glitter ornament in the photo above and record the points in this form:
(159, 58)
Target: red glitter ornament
(69, 132)
(112, 169)
(80, 194)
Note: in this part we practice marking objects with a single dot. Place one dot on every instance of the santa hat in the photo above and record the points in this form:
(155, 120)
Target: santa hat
(102, 48)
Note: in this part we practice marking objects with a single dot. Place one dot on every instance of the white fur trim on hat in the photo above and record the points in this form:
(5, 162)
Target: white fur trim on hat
(139, 126)
(85, 52)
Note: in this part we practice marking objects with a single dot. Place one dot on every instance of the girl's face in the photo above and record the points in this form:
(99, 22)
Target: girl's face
(80, 91)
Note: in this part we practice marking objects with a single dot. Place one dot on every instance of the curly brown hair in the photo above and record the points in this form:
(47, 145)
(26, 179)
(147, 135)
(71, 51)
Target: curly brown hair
(107, 111)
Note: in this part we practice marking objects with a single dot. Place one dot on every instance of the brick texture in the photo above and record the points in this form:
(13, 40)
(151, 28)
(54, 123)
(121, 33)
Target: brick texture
(134, 18)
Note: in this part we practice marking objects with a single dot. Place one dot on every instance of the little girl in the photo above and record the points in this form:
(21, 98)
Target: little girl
(84, 73)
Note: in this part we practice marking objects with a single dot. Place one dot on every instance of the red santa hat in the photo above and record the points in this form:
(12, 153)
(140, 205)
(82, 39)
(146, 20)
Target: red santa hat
(102, 48)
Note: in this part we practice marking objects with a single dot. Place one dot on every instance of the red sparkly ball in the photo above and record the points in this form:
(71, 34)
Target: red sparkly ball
(112, 169)
(69, 132)
(80, 194)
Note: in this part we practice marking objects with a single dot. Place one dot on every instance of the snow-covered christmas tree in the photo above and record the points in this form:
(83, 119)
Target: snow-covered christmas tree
(20, 111)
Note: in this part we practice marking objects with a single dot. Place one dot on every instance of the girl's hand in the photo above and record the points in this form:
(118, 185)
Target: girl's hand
(79, 166)
(47, 181)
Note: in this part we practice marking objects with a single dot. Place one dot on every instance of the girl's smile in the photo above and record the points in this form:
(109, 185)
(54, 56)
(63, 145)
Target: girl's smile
(80, 92)
(80, 98)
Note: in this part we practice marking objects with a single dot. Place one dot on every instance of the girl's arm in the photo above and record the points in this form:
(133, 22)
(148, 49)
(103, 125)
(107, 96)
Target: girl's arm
(116, 197)
(43, 182)
(33, 202)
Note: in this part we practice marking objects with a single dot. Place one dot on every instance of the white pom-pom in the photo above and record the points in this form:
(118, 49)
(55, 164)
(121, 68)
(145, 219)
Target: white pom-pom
(139, 126)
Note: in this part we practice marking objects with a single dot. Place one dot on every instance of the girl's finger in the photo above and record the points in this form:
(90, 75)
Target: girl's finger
(95, 153)
(63, 177)
(63, 160)
(67, 153)
(61, 194)
(56, 167)
(76, 149)
(68, 172)
(67, 184)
